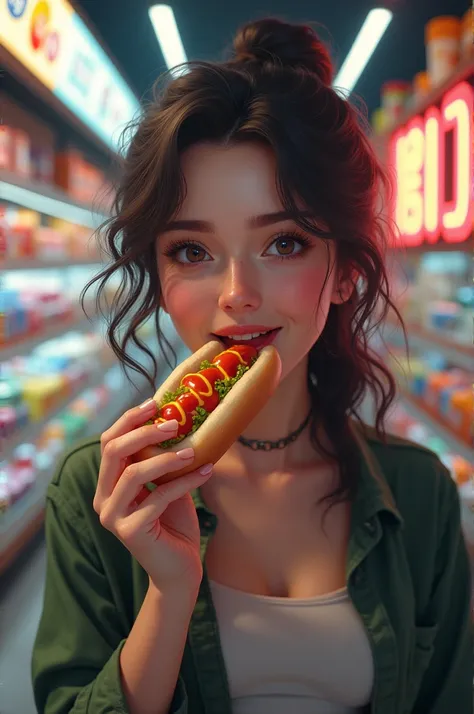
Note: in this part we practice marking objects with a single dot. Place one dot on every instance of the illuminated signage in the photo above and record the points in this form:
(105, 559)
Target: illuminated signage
(51, 40)
(432, 159)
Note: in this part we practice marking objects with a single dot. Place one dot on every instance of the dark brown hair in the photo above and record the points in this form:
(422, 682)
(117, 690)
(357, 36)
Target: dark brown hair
(276, 88)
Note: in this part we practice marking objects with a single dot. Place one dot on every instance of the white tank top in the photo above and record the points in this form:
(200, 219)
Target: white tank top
(304, 656)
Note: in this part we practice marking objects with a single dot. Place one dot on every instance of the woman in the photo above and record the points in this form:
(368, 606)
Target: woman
(328, 576)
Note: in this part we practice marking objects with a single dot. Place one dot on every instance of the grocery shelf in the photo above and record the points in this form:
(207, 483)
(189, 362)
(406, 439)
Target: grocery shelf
(46, 199)
(464, 69)
(25, 518)
(61, 325)
(458, 353)
(38, 264)
(32, 432)
(422, 412)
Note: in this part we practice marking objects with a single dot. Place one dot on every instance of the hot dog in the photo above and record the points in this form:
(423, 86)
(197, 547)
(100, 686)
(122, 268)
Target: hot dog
(214, 395)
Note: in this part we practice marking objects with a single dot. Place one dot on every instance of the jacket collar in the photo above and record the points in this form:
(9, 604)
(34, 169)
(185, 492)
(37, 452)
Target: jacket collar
(373, 493)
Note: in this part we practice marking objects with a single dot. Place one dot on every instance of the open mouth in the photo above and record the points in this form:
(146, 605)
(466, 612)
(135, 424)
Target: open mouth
(257, 340)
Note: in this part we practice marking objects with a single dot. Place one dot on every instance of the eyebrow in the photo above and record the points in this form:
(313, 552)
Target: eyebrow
(266, 219)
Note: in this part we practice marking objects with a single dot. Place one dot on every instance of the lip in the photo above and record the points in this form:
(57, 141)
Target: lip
(257, 342)
(243, 330)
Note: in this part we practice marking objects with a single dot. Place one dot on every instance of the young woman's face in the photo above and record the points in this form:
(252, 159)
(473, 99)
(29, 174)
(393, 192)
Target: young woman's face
(239, 261)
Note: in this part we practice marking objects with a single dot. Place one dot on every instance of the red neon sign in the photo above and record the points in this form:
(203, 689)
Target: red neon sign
(432, 159)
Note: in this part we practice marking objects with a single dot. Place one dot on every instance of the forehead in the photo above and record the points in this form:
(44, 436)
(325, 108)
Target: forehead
(240, 177)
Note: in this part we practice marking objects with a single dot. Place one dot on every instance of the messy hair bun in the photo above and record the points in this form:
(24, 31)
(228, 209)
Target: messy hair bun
(271, 41)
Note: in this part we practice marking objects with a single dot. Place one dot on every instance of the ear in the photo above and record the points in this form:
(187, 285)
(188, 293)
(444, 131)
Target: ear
(343, 288)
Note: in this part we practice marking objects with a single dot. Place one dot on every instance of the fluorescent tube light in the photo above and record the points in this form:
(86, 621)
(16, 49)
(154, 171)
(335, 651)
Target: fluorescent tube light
(49, 206)
(363, 48)
(164, 23)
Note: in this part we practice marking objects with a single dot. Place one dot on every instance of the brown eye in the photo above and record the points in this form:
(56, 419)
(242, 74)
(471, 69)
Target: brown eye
(195, 254)
(285, 246)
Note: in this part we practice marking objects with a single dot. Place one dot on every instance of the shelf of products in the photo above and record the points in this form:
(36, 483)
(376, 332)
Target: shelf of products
(47, 199)
(51, 405)
(30, 240)
(445, 67)
(59, 379)
(435, 295)
(62, 264)
(421, 338)
(86, 407)
(106, 399)
(28, 341)
(420, 410)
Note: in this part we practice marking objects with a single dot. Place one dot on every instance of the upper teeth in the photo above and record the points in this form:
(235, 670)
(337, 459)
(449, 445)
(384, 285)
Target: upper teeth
(250, 336)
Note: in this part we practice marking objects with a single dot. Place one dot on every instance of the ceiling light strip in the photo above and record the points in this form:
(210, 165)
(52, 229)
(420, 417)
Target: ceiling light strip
(363, 48)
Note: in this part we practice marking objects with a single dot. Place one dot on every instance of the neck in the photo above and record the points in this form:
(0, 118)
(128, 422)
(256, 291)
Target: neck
(283, 414)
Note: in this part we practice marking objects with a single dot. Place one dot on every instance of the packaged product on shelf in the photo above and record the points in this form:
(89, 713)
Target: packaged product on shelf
(77, 176)
(379, 121)
(442, 39)
(14, 320)
(394, 97)
(467, 34)
(22, 470)
(5, 497)
(42, 394)
(421, 88)
(21, 153)
(6, 148)
(20, 227)
(42, 164)
(460, 410)
(51, 244)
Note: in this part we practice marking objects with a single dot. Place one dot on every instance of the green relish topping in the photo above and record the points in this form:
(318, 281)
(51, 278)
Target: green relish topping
(223, 386)
(205, 364)
(172, 396)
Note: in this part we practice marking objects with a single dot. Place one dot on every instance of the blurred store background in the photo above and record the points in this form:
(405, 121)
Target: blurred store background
(72, 74)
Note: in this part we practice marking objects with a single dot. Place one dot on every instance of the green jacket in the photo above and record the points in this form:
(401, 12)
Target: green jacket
(407, 574)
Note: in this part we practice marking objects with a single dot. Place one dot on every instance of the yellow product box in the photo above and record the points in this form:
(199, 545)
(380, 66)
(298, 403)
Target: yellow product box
(41, 394)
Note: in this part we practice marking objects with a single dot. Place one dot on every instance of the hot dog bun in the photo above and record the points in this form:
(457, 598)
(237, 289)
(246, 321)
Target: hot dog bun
(231, 417)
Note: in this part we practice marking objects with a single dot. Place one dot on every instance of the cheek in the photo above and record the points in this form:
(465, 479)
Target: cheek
(307, 297)
(188, 305)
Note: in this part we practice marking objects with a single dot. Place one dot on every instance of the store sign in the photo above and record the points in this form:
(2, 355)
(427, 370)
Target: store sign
(53, 43)
(432, 159)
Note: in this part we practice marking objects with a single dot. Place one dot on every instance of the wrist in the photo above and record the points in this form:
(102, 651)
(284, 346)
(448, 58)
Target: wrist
(184, 594)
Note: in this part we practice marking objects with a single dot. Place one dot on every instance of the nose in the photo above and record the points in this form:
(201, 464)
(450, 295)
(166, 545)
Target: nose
(239, 292)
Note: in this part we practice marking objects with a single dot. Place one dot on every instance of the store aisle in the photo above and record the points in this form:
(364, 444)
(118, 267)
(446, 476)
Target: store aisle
(21, 596)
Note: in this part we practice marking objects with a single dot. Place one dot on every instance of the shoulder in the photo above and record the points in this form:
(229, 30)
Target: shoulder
(75, 479)
(418, 479)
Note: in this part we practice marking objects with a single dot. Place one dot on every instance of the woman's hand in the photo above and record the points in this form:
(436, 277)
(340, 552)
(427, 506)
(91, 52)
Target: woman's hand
(161, 530)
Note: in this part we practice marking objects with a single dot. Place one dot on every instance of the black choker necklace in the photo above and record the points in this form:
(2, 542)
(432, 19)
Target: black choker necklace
(259, 445)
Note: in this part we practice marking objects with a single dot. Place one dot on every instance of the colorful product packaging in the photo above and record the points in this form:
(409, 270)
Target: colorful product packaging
(21, 153)
(442, 40)
(467, 34)
(7, 162)
(421, 88)
(395, 94)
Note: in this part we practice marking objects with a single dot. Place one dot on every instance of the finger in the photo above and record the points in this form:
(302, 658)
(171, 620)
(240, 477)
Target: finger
(136, 475)
(130, 420)
(159, 500)
(117, 452)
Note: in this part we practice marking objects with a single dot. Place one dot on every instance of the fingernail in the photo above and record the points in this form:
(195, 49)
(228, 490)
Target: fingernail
(185, 454)
(204, 470)
(146, 404)
(169, 426)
